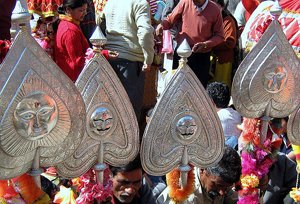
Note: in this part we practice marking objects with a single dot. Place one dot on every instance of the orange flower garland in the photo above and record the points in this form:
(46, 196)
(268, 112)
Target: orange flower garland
(177, 193)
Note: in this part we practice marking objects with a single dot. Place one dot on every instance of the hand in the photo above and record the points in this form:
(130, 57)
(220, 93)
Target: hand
(113, 54)
(199, 47)
(159, 30)
(146, 68)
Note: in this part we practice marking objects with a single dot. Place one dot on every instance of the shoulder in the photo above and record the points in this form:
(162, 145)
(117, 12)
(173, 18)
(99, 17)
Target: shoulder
(213, 6)
(146, 195)
(70, 27)
(65, 26)
(141, 3)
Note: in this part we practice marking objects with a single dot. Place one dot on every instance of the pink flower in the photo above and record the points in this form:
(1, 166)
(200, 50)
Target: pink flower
(249, 199)
(89, 55)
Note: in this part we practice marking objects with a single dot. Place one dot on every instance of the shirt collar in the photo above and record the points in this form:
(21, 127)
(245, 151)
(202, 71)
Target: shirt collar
(201, 8)
(68, 18)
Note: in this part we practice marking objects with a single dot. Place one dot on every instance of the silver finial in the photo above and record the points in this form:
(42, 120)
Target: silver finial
(98, 39)
(184, 51)
(20, 17)
(276, 9)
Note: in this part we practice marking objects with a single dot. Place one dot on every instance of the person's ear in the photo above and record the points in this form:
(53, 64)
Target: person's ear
(68, 10)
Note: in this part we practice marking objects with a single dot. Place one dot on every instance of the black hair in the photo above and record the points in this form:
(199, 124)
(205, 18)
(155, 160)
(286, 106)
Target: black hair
(229, 167)
(277, 121)
(220, 2)
(219, 93)
(48, 187)
(72, 4)
(133, 165)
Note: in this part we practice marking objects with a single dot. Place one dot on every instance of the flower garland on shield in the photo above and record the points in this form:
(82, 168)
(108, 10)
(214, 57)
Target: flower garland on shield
(22, 189)
(177, 193)
(257, 158)
(90, 189)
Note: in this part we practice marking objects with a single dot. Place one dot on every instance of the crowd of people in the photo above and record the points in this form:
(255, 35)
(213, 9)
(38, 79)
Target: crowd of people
(133, 29)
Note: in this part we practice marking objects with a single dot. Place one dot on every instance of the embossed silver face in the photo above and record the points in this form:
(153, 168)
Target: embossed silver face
(35, 116)
(101, 120)
(186, 126)
(275, 80)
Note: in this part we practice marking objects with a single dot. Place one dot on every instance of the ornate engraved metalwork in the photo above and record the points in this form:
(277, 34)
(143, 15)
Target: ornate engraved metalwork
(293, 127)
(184, 127)
(267, 79)
(42, 114)
(112, 133)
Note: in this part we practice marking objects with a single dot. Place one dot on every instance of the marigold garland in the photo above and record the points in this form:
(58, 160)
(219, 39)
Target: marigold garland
(295, 194)
(249, 181)
(177, 193)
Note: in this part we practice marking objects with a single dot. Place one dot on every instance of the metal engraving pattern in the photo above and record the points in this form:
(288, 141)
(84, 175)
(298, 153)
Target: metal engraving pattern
(40, 108)
(268, 77)
(184, 118)
(293, 127)
(111, 123)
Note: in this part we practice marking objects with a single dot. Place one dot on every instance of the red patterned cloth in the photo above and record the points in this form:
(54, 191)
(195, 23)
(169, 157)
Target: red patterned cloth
(289, 20)
(44, 8)
(99, 5)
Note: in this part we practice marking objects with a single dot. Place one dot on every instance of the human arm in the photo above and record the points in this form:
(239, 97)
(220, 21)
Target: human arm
(145, 31)
(230, 34)
(170, 4)
(146, 195)
(108, 54)
(75, 47)
(216, 38)
(168, 22)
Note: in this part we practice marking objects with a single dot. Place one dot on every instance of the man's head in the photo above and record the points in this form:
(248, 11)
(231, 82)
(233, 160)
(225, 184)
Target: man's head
(127, 180)
(279, 125)
(219, 93)
(218, 180)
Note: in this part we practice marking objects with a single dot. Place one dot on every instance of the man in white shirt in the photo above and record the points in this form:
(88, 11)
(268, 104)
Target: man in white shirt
(230, 118)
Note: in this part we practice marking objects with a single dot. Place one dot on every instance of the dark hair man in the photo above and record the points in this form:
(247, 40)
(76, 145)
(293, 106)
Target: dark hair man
(214, 184)
(230, 118)
(129, 186)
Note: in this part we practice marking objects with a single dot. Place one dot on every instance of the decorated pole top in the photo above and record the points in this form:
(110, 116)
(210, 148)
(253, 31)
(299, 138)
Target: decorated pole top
(184, 128)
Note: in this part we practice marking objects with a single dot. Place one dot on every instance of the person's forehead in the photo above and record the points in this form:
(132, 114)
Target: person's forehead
(218, 180)
(130, 175)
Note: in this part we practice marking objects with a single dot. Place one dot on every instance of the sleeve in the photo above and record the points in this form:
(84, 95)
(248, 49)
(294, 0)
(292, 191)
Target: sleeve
(75, 49)
(230, 34)
(173, 17)
(217, 32)
(145, 31)
(147, 196)
(168, 9)
(105, 54)
(290, 173)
